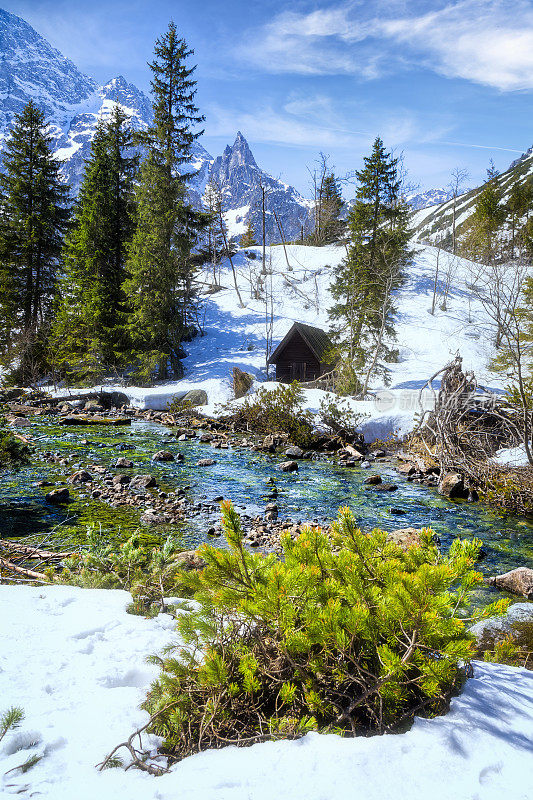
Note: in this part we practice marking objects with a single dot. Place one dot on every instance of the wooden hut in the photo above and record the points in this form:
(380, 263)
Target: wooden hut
(303, 355)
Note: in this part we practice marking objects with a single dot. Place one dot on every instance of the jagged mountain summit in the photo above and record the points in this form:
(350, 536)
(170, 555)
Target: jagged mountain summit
(242, 183)
(31, 69)
(431, 197)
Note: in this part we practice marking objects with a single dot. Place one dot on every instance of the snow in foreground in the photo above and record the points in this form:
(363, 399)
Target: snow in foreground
(74, 660)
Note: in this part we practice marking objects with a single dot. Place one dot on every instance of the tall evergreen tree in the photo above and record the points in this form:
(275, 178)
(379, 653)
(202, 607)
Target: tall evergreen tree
(482, 240)
(161, 269)
(89, 336)
(332, 206)
(33, 219)
(378, 253)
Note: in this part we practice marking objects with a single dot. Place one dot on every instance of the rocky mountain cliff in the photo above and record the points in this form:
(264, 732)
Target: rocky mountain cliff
(242, 184)
(431, 197)
(31, 69)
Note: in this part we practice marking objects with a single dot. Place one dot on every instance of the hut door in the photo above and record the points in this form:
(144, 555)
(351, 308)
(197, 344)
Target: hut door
(298, 371)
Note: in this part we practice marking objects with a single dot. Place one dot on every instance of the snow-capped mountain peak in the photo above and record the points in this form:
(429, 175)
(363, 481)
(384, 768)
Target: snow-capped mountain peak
(31, 69)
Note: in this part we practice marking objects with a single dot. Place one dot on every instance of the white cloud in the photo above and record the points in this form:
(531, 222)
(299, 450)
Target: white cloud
(484, 41)
(315, 121)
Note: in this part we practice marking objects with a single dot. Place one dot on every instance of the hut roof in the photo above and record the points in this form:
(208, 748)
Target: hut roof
(315, 338)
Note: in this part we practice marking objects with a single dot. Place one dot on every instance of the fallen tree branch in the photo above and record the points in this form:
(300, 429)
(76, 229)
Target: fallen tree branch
(27, 550)
(29, 573)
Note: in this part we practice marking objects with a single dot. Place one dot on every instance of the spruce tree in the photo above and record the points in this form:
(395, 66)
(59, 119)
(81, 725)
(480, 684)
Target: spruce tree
(248, 238)
(365, 280)
(482, 240)
(160, 288)
(33, 219)
(332, 206)
(89, 331)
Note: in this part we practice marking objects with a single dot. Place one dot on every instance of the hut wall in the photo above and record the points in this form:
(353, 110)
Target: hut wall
(297, 362)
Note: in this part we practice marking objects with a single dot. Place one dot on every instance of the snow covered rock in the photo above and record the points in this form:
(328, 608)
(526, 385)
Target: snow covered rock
(240, 179)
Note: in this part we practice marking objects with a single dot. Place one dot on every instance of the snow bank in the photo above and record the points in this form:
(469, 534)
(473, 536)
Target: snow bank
(74, 660)
(512, 457)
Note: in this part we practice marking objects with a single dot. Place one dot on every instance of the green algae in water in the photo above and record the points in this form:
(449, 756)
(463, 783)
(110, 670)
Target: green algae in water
(316, 492)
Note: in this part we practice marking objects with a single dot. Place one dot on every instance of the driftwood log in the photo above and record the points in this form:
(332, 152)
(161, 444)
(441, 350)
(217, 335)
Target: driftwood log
(33, 552)
(28, 573)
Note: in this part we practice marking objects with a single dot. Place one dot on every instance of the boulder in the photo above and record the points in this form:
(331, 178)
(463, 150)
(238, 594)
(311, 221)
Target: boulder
(503, 625)
(405, 537)
(205, 462)
(294, 452)
(206, 437)
(288, 466)
(163, 455)
(242, 382)
(19, 422)
(452, 486)
(189, 560)
(121, 480)
(382, 487)
(58, 496)
(124, 463)
(406, 469)
(152, 518)
(196, 397)
(372, 480)
(517, 581)
(82, 476)
(143, 482)
(92, 405)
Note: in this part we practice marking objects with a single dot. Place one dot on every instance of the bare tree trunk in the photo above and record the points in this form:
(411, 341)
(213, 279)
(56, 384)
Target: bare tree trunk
(280, 229)
(230, 258)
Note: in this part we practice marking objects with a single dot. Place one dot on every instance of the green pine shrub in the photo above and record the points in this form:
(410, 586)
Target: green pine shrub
(339, 417)
(150, 573)
(346, 634)
(271, 411)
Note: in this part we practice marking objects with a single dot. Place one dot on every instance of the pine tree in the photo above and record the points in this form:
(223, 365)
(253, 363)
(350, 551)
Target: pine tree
(248, 238)
(33, 219)
(160, 287)
(481, 240)
(378, 253)
(332, 206)
(89, 337)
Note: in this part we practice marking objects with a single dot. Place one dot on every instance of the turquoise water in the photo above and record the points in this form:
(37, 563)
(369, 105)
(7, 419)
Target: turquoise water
(314, 493)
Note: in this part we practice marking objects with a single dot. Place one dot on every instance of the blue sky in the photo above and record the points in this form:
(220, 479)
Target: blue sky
(447, 82)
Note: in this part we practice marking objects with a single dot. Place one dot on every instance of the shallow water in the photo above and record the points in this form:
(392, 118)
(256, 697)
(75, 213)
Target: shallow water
(314, 493)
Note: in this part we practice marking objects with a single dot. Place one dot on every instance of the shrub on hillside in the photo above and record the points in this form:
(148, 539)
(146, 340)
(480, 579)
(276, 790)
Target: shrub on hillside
(271, 411)
(338, 416)
(347, 633)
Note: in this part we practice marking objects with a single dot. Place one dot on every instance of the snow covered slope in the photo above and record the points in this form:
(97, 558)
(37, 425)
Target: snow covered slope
(236, 336)
(436, 221)
(31, 69)
(75, 662)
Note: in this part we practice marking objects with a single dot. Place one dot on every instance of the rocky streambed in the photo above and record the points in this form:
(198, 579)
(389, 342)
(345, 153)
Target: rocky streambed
(124, 469)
